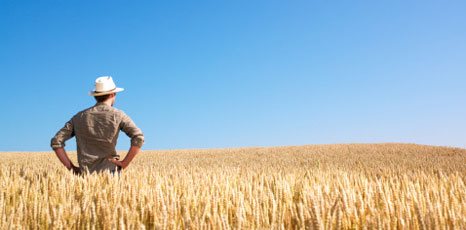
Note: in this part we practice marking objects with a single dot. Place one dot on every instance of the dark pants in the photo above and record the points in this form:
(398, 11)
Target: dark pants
(117, 170)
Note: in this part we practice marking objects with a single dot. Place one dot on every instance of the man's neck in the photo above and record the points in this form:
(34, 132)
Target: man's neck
(108, 102)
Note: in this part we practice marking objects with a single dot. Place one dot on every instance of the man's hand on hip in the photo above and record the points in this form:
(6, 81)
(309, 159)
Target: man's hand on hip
(75, 170)
(63, 157)
(116, 161)
(129, 157)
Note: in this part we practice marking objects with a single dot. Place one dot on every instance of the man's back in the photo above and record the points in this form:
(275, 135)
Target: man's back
(96, 130)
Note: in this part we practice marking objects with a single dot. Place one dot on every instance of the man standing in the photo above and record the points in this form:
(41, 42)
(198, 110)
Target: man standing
(96, 130)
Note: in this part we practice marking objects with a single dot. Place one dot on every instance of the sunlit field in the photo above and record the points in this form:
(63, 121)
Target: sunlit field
(389, 186)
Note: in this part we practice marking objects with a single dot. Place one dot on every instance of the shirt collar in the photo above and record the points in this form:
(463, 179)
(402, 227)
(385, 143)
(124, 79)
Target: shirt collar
(101, 103)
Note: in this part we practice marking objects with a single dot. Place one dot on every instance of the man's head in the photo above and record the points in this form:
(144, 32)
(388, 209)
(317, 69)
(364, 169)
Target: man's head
(106, 98)
(105, 90)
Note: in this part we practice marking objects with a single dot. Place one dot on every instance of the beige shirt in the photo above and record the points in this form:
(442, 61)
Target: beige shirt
(96, 130)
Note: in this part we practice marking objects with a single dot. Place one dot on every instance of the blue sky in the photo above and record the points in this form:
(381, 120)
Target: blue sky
(208, 74)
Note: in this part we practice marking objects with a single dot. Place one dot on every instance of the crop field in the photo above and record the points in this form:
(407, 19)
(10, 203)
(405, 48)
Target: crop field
(389, 186)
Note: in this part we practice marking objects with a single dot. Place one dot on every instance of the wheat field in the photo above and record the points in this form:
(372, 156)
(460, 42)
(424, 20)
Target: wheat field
(355, 186)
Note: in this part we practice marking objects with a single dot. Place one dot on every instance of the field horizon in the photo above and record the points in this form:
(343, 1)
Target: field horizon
(263, 147)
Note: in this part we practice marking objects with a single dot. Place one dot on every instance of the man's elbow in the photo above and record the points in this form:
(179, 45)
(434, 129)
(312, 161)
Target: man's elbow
(56, 144)
(137, 141)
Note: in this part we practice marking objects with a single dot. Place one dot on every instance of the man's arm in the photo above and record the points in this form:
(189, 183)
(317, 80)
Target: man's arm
(58, 143)
(61, 154)
(65, 133)
(133, 151)
(131, 130)
(137, 140)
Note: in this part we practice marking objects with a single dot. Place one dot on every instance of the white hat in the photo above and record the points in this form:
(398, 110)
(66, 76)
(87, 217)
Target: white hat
(104, 85)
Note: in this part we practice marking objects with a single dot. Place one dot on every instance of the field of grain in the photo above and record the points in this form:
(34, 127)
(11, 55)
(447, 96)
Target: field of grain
(390, 186)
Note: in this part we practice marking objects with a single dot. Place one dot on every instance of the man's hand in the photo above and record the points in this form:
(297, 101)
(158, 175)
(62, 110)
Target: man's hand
(63, 157)
(116, 161)
(75, 170)
(129, 157)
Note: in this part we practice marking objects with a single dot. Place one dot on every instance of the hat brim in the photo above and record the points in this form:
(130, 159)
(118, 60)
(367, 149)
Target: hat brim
(116, 90)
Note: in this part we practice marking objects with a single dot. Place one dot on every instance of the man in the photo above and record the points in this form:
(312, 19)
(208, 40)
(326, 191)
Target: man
(96, 130)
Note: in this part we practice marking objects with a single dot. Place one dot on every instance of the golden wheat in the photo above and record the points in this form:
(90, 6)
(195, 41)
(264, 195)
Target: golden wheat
(389, 186)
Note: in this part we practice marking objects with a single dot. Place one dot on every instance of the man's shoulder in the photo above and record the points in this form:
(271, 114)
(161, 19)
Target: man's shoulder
(94, 109)
(119, 112)
(86, 110)
(99, 109)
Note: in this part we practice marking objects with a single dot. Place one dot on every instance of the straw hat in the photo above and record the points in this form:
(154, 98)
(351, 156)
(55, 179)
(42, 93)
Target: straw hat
(104, 85)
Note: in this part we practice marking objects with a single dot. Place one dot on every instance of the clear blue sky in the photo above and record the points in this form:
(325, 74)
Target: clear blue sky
(204, 74)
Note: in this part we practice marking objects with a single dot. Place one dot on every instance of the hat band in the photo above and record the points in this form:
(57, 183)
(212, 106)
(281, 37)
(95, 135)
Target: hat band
(105, 91)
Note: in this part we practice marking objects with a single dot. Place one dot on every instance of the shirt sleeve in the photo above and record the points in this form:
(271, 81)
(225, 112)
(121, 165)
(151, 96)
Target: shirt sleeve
(132, 131)
(65, 133)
